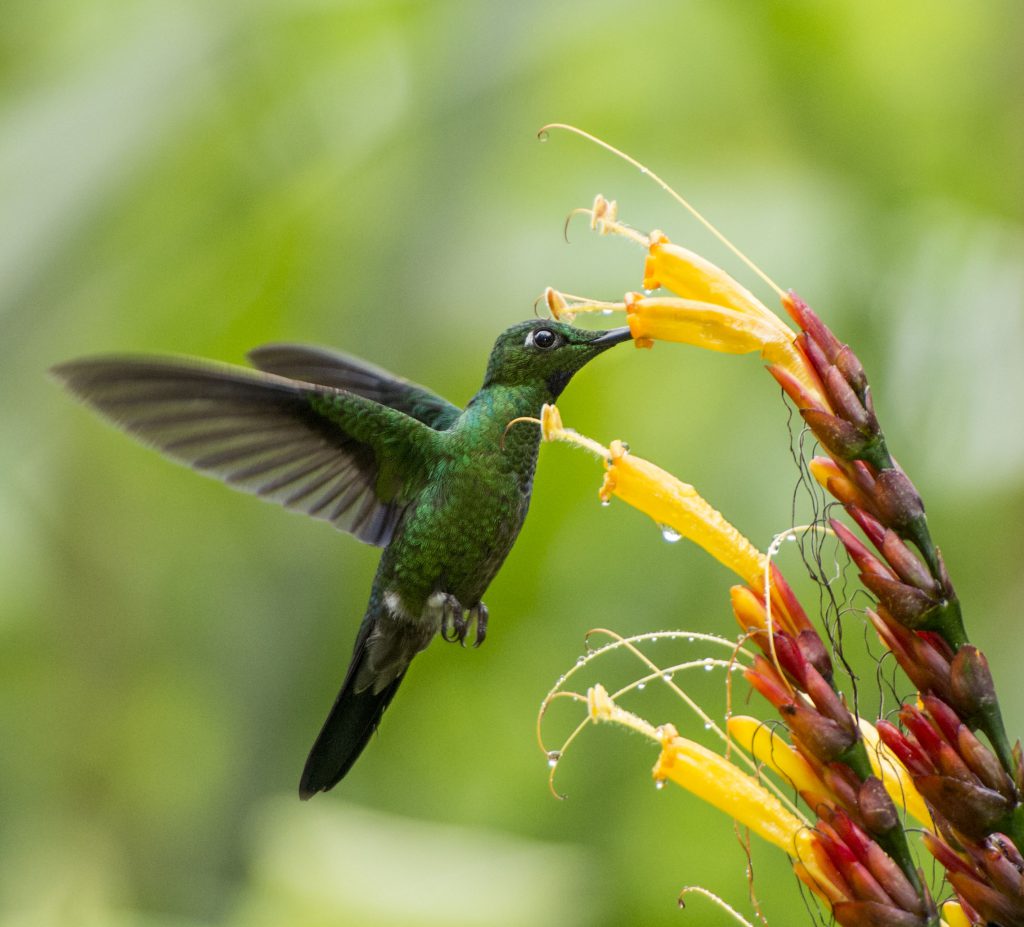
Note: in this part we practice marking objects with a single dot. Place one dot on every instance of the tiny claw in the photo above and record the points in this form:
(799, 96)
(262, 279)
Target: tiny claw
(453, 623)
(479, 611)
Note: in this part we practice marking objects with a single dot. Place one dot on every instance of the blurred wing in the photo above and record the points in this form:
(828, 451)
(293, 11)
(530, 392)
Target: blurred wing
(330, 454)
(332, 368)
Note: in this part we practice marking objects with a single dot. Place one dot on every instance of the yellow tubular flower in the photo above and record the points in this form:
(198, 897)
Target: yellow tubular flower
(763, 743)
(672, 503)
(677, 505)
(715, 780)
(669, 318)
(741, 324)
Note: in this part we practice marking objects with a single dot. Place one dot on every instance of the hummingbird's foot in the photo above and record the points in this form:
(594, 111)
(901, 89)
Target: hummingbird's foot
(479, 612)
(453, 620)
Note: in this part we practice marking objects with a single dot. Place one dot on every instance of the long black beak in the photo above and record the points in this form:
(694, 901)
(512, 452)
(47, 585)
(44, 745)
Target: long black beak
(615, 336)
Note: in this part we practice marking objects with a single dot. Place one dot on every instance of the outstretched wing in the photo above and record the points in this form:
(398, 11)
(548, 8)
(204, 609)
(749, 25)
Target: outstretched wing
(329, 453)
(333, 368)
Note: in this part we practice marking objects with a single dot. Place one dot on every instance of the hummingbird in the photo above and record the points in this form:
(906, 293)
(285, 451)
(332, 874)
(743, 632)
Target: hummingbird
(444, 491)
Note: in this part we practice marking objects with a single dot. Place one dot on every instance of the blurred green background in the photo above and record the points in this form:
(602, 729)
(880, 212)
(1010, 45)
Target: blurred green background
(201, 177)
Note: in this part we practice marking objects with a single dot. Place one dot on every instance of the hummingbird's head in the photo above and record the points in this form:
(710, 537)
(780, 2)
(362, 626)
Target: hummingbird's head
(546, 352)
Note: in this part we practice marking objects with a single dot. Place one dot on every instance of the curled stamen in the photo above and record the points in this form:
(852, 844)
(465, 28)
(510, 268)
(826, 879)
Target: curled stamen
(545, 131)
(516, 421)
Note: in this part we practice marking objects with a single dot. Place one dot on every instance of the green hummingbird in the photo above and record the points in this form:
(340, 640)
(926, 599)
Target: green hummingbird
(443, 490)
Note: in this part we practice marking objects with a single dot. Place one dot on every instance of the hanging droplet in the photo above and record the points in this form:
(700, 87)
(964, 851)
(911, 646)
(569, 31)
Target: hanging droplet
(667, 677)
(543, 135)
(669, 533)
(640, 686)
(605, 503)
(607, 311)
(659, 784)
(708, 725)
(553, 757)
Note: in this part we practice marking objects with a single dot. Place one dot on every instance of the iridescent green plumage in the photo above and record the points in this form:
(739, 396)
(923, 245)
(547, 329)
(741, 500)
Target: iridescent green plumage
(443, 491)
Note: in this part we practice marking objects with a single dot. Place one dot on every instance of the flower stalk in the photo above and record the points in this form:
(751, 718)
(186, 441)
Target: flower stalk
(966, 789)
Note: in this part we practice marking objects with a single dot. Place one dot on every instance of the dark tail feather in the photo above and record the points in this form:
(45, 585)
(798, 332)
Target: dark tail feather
(353, 719)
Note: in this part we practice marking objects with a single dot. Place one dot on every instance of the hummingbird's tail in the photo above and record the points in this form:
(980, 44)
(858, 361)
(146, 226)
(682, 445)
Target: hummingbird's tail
(382, 654)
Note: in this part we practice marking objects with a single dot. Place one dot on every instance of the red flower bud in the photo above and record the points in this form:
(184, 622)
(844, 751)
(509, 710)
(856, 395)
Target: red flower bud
(838, 437)
(972, 809)
(973, 689)
(911, 607)
(898, 501)
(876, 807)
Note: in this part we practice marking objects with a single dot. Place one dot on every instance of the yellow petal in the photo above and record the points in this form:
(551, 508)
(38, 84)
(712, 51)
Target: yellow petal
(706, 325)
(762, 742)
(953, 915)
(679, 506)
(715, 780)
(689, 275)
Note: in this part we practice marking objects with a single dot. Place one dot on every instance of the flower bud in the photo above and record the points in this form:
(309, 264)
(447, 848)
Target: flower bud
(850, 367)
(906, 564)
(972, 809)
(973, 687)
(911, 607)
(809, 322)
(814, 652)
(876, 807)
(838, 437)
(847, 403)
(898, 502)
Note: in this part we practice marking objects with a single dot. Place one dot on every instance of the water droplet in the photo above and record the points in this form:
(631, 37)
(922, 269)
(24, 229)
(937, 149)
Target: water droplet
(659, 784)
(553, 757)
(669, 533)
(607, 311)
(606, 502)
(667, 677)
(543, 135)
(625, 447)
(791, 537)
(580, 661)
(690, 639)
(708, 725)
(640, 686)
(648, 292)
(708, 667)
(644, 170)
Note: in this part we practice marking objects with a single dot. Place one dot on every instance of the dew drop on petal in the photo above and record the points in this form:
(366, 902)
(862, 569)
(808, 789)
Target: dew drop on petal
(669, 533)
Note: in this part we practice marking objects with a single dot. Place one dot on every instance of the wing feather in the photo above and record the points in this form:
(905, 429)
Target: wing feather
(313, 364)
(260, 433)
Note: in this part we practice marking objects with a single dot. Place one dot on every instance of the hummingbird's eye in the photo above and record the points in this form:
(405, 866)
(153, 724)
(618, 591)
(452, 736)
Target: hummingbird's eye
(542, 338)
